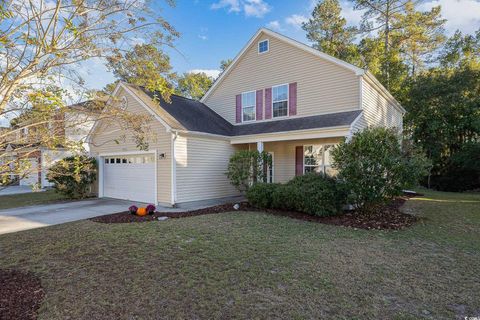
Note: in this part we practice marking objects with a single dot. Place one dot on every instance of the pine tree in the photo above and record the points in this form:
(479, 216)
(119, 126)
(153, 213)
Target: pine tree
(379, 17)
(461, 51)
(224, 64)
(328, 31)
(418, 34)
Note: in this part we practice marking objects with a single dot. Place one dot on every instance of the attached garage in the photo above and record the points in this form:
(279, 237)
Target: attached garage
(130, 177)
(30, 176)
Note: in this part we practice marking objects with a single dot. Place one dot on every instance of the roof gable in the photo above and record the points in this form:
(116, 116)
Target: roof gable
(266, 32)
(123, 89)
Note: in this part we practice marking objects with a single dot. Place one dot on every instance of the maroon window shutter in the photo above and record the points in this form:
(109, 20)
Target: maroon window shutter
(259, 104)
(299, 160)
(292, 101)
(238, 108)
(268, 103)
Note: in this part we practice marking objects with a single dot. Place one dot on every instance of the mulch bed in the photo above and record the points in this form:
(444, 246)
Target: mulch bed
(126, 217)
(20, 295)
(386, 217)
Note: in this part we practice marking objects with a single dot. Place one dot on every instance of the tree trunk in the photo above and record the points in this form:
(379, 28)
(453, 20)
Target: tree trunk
(387, 34)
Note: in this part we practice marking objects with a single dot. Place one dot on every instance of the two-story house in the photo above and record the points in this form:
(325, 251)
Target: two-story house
(278, 96)
(26, 150)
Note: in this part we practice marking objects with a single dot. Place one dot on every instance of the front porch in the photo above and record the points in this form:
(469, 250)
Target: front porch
(295, 157)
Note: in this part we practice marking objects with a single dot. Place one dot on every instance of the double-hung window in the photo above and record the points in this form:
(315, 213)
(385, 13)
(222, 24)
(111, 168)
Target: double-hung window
(248, 106)
(312, 158)
(280, 101)
(316, 158)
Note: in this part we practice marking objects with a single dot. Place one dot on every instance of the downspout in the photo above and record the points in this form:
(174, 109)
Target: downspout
(174, 169)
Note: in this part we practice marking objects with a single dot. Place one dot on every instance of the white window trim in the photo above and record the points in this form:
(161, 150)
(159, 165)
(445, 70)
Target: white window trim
(323, 166)
(254, 106)
(309, 166)
(288, 101)
(268, 46)
(272, 154)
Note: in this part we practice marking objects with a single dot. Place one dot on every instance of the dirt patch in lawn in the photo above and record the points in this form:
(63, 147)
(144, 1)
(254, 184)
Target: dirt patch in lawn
(20, 295)
(387, 217)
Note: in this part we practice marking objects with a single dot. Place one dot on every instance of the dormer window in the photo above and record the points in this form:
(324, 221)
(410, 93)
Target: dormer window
(263, 46)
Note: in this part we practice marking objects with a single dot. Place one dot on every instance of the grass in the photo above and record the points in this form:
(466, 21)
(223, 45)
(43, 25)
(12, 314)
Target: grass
(258, 266)
(29, 199)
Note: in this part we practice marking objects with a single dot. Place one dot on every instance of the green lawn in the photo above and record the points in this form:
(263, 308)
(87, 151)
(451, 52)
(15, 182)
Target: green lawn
(258, 266)
(29, 199)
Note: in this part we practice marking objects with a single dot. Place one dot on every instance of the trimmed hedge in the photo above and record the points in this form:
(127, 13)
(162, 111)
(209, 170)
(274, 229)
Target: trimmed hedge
(312, 194)
(260, 195)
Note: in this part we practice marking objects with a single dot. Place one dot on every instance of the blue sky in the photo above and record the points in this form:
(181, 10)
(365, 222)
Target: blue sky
(212, 30)
(216, 30)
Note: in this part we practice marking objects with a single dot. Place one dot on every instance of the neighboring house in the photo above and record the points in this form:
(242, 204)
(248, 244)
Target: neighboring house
(21, 148)
(34, 161)
(80, 119)
(278, 95)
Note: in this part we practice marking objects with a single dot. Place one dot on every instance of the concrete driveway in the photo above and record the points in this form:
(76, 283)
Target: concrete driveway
(4, 191)
(17, 219)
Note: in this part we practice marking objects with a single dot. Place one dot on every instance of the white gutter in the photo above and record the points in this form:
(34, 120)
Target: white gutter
(174, 168)
(338, 131)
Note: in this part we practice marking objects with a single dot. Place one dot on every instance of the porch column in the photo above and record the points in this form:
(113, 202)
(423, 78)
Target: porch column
(260, 146)
(263, 167)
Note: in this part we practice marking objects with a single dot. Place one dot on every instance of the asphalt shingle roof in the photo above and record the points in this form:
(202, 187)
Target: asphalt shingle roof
(312, 122)
(196, 116)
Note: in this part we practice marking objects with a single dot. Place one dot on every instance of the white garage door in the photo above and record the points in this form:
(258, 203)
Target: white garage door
(130, 177)
(30, 175)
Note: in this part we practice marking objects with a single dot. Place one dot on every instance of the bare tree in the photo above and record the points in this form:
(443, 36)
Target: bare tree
(44, 40)
(42, 44)
(49, 129)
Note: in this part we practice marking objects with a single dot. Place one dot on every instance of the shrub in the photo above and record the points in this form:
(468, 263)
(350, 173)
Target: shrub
(285, 197)
(312, 194)
(260, 195)
(375, 168)
(246, 167)
(318, 194)
(73, 176)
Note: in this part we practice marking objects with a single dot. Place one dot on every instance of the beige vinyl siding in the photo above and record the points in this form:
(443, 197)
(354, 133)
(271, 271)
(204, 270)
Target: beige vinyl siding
(103, 142)
(359, 124)
(284, 155)
(201, 164)
(378, 111)
(323, 87)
